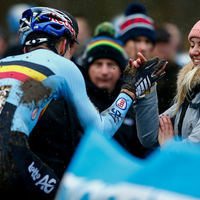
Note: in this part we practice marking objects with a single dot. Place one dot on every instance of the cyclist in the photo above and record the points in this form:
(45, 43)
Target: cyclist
(30, 81)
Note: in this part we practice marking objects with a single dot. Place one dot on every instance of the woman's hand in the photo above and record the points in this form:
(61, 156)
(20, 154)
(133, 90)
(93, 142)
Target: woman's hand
(166, 130)
(141, 59)
(136, 63)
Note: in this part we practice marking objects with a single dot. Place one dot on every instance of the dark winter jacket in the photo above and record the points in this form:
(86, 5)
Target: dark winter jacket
(126, 134)
(166, 88)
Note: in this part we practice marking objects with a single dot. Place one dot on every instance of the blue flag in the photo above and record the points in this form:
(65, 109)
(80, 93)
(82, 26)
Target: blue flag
(102, 169)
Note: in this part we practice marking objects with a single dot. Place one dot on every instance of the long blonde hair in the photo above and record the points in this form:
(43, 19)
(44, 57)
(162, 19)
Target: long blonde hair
(188, 77)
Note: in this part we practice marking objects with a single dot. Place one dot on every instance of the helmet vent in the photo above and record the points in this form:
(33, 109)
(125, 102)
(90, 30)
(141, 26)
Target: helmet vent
(57, 27)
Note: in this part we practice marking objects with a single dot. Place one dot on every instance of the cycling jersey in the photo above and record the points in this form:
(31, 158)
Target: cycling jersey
(64, 79)
(28, 83)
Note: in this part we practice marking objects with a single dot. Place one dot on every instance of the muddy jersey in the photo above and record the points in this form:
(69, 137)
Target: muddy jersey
(30, 81)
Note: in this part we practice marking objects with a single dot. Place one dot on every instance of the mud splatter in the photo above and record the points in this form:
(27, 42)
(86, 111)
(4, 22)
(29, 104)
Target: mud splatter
(4, 91)
(34, 91)
(130, 71)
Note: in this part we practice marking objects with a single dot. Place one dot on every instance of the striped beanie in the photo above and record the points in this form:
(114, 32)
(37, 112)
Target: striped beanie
(136, 23)
(195, 32)
(104, 45)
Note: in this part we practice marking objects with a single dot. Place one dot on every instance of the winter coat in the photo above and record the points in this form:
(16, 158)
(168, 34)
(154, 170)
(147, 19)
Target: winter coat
(148, 119)
(166, 87)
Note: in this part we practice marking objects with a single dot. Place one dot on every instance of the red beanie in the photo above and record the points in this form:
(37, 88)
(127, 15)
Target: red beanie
(195, 32)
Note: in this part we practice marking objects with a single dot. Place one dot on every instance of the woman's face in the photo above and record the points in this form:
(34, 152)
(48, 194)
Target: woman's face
(194, 51)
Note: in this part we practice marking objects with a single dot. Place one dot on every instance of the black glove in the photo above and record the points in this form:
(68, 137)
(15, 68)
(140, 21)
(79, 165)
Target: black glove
(138, 80)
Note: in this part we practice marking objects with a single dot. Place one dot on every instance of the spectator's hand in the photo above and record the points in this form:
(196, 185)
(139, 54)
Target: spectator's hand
(141, 59)
(166, 130)
(137, 80)
(136, 63)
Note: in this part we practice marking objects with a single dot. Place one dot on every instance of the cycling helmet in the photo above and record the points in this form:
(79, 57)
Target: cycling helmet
(48, 20)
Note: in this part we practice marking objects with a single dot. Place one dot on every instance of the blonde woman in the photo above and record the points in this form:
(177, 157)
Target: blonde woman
(183, 118)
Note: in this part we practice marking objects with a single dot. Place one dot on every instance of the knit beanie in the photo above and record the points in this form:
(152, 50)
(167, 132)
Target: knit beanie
(136, 23)
(162, 35)
(195, 32)
(105, 45)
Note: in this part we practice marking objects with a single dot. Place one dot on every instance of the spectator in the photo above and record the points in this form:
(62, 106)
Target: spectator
(182, 119)
(175, 40)
(166, 88)
(162, 47)
(30, 81)
(137, 31)
(104, 61)
(176, 54)
(117, 21)
(84, 37)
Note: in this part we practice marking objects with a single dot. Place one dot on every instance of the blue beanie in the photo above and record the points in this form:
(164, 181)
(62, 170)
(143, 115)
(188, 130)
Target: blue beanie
(136, 23)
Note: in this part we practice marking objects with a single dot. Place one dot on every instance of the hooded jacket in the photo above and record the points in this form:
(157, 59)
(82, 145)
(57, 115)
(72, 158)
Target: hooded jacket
(148, 119)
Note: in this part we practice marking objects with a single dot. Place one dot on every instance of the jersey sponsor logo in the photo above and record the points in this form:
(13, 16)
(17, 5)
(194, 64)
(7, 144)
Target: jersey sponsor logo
(121, 103)
(34, 113)
(46, 184)
(115, 114)
(34, 171)
(65, 23)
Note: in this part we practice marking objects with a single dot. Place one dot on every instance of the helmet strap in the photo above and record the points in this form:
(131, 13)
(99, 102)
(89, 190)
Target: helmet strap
(52, 47)
(66, 46)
